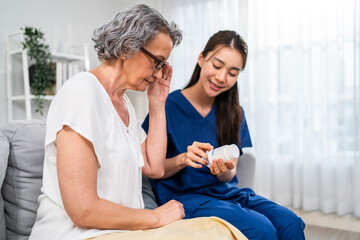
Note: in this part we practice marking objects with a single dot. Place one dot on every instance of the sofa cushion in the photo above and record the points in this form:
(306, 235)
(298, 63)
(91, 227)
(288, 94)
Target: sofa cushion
(4, 152)
(245, 169)
(23, 179)
(148, 194)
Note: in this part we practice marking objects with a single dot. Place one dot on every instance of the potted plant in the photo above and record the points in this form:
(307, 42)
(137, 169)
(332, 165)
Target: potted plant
(42, 71)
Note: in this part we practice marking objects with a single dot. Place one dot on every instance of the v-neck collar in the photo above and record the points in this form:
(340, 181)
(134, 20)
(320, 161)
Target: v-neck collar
(112, 105)
(191, 107)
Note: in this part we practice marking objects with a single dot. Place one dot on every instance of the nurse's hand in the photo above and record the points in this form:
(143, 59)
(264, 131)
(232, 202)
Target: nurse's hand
(196, 153)
(220, 168)
(169, 212)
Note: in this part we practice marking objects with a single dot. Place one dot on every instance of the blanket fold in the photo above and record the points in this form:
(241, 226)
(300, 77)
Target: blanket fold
(190, 229)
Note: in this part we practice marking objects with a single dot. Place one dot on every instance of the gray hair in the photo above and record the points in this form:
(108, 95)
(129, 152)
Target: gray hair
(130, 30)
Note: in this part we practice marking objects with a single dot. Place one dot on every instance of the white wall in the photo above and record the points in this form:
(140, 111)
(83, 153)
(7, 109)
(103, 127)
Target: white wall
(70, 21)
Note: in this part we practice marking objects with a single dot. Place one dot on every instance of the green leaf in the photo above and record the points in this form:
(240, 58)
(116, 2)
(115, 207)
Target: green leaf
(43, 75)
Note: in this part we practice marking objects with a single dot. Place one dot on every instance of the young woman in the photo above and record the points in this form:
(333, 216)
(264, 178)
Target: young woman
(206, 114)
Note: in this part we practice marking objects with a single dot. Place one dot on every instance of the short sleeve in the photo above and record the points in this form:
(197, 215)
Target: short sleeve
(79, 105)
(244, 133)
(141, 133)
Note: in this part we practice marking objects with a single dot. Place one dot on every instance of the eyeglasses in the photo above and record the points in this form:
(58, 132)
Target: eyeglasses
(159, 64)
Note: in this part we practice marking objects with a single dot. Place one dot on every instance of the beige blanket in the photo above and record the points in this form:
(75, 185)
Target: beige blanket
(190, 229)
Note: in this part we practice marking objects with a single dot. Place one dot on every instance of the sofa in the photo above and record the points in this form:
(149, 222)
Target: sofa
(21, 164)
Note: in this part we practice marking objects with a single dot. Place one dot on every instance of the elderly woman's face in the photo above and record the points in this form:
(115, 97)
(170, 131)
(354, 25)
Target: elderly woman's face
(140, 69)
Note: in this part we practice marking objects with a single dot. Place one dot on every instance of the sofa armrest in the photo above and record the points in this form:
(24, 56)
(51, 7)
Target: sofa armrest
(4, 154)
(23, 178)
(245, 170)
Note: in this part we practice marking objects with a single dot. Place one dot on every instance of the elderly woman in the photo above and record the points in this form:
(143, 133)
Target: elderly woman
(95, 151)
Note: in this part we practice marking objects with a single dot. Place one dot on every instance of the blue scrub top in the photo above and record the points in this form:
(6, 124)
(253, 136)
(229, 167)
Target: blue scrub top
(185, 125)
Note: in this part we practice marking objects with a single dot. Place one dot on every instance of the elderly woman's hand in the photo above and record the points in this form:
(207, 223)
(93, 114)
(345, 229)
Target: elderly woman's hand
(169, 212)
(159, 89)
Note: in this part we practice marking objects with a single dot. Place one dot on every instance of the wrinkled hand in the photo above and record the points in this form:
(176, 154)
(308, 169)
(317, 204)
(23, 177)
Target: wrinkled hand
(159, 89)
(169, 212)
(196, 153)
(219, 168)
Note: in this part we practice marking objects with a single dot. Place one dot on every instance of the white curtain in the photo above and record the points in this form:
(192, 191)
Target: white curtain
(300, 91)
(199, 20)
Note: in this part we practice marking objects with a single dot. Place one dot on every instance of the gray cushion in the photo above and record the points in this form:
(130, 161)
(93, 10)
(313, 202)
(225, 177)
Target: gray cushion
(245, 170)
(4, 153)
(148, 194)
(23, 179)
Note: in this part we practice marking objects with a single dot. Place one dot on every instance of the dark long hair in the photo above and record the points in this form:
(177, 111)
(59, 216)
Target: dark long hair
(229, 113)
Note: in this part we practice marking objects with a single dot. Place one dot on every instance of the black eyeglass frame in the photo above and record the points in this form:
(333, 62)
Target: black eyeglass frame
(159, 64)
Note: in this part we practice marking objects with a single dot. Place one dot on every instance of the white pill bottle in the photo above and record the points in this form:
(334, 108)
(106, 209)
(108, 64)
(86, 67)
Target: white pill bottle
(225, 152)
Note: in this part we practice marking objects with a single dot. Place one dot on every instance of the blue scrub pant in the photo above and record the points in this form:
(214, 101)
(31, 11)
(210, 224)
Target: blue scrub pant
(255, 216)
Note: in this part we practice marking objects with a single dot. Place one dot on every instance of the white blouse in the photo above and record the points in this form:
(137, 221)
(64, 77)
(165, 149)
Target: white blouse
(84, 105)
